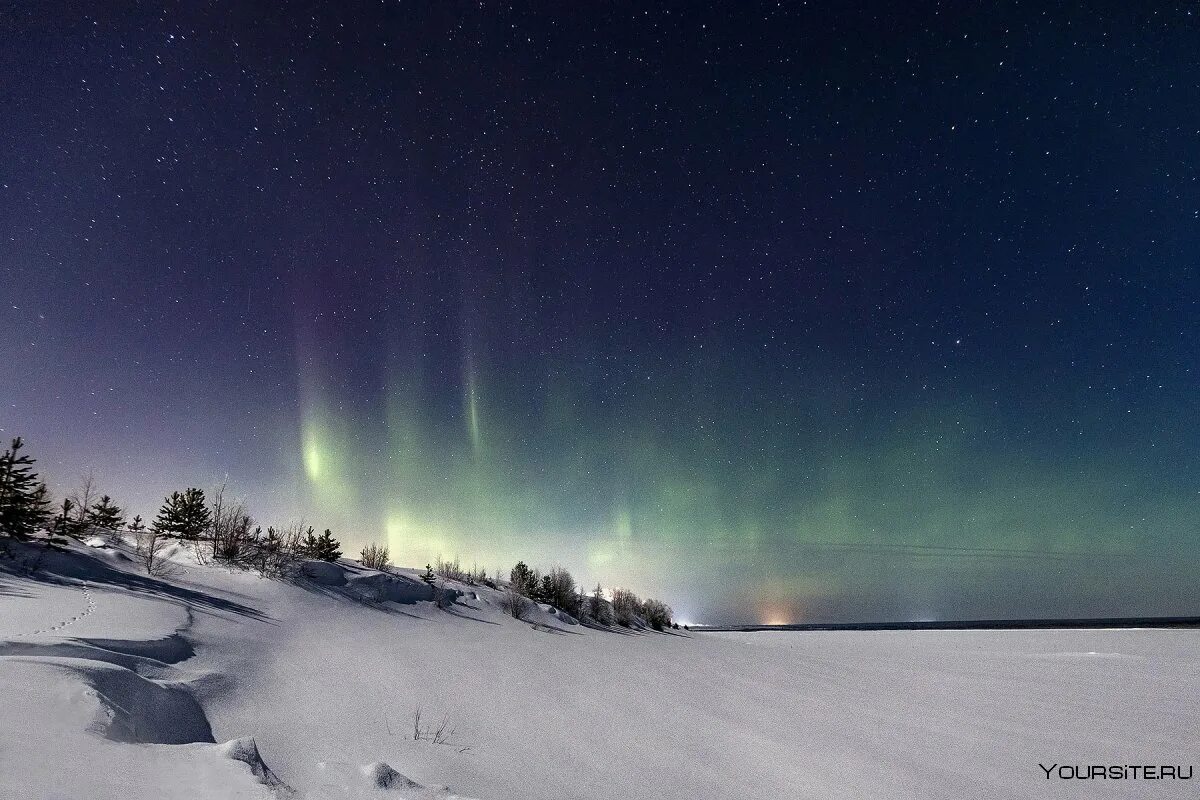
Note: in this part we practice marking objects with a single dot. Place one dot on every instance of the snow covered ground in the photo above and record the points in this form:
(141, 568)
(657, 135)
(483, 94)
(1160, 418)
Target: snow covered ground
(220, 684)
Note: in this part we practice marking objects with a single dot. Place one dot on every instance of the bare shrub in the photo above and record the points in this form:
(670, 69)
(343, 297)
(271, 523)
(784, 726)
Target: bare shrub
(515, 603)
(276, 553)
(82, 499)
(229, 529)
(441, 595)
(291, 547)
(149, 549)
(230, 538)
(442, 734)
(293, 538)
(450, 570)
(375, 556)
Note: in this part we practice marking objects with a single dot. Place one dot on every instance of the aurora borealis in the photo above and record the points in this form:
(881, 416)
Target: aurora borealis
(781, 313)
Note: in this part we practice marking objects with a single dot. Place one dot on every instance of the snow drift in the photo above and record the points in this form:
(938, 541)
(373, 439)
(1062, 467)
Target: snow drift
(352, 683)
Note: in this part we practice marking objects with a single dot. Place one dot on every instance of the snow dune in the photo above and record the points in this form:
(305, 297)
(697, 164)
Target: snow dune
(220, 684)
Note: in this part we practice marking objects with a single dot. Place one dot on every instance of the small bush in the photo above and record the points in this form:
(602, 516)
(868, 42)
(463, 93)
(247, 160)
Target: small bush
(149, 548)
(515, 603)
(278, 551)
(266, 551)
(375, 556)
(228, 530)
(450, 570)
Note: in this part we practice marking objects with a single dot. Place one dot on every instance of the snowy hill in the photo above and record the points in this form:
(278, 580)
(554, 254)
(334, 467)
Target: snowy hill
(217, 683)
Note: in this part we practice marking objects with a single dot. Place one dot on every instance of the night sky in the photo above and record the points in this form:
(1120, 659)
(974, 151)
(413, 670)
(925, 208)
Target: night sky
(778, 312)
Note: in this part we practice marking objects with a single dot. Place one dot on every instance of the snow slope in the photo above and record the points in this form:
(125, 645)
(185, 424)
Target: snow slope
(220, 684)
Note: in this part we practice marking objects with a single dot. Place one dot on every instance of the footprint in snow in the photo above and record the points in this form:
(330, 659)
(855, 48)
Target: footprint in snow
(91, 606)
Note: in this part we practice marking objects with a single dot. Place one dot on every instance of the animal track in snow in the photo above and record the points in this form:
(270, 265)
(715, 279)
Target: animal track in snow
(91, 606)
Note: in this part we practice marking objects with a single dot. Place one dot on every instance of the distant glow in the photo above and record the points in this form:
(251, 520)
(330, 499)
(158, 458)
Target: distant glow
(777, 612)
(412, 542)
(312, 456)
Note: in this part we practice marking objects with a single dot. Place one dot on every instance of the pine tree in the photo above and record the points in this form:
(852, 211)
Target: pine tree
(310, 547)
(558, 589)
(597, 608)
(271, 542)
(183, 514)
(523, 579)
(429, 576)
(269, 548)
(167, 520)
(24, 505)
(195, 514)
(105, 515)
(328, 548)
(137, 525)
(64, 523)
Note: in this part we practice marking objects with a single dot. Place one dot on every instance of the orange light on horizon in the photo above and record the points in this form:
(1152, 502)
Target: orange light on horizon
(778, 612)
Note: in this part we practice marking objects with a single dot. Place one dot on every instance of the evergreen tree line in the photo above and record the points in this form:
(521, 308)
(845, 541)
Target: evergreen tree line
(220, 528)
(557, 588)
(224, 531)
(25, 506)
(24, 500)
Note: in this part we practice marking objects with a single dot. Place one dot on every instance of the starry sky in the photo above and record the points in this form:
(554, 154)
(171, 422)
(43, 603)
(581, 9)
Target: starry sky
(780, 312)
